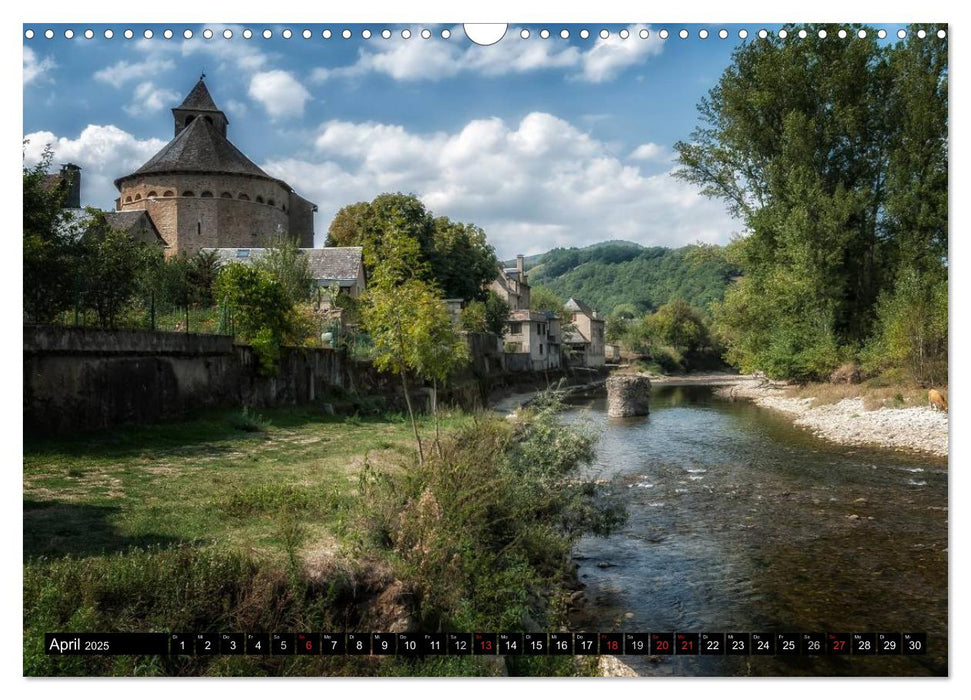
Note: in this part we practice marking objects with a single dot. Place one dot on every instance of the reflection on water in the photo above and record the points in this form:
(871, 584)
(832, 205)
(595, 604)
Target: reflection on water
(741, 522)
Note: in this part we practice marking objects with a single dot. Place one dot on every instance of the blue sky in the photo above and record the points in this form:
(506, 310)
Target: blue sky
(542, 142)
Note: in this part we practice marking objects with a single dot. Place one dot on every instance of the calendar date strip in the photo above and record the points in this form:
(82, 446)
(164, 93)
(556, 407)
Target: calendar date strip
(488, 643)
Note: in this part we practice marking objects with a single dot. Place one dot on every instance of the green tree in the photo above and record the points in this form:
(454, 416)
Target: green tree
(347, 227)
(456, 257)
(812, 144)
(111, 266)
(911, 330)
(49, 246)
(489, 316)
(262, 310)
(284, 261)
(462, 261)
(408, 323)
(680, 326)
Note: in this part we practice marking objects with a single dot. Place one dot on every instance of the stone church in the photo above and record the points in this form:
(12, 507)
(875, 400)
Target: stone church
(200, 191)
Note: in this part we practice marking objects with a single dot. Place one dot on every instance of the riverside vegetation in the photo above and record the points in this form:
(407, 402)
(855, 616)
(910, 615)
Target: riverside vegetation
(298, 520)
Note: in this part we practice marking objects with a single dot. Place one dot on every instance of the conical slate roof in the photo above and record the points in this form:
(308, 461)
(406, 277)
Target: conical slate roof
(200, 147)
(199, 99)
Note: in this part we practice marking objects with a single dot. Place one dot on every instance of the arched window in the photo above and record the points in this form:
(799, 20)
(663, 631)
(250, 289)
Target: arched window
(226, 195)
(153, 193)
(168, 193)
(198, 228)
(284, 208)
(137, 197)
(244, 197)
(188, 120)
(128, 199)
(259, 199)
(207, 193)
(188, 193)
(271, 202)
(208, 119)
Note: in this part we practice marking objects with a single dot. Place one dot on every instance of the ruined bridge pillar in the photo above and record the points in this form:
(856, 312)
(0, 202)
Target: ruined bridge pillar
(628, 395)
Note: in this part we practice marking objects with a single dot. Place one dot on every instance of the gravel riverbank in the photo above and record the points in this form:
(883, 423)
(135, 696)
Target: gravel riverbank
(847, 422)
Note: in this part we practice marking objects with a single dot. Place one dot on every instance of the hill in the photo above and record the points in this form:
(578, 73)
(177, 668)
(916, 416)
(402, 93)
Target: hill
(620, 272)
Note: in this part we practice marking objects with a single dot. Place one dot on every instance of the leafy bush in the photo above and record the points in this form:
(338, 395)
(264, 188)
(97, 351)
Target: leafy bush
(482, 531)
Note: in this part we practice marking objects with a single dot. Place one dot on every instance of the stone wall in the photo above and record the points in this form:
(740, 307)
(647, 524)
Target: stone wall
(83, 379)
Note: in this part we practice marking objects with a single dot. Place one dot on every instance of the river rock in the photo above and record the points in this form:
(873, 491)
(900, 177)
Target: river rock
(628, 395)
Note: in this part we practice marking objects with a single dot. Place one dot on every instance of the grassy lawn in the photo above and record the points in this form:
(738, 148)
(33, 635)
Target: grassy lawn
(292, 520)
(214, 481)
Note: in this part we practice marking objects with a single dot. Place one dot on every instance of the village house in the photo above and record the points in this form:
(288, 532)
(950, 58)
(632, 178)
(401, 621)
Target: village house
(533, 339)
(585, 342)
(512, 286)
(343, 266)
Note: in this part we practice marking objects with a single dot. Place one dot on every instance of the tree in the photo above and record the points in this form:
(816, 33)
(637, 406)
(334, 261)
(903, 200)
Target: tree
(262, 310)
(284, 261)
(49, 246)
(462, 261)
(408, 323)
(111, 265)
(347, 227)
(457, 257)
(827, 151)
(489, 316)
(678, 325)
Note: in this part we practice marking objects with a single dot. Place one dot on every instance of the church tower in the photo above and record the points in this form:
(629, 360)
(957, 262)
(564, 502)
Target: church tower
(200, 191)
(198, 104)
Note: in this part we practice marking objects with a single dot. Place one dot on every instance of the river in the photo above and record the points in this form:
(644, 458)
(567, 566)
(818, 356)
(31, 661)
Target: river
(741, 522)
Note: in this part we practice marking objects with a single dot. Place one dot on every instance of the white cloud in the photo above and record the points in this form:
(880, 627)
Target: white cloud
(104, 153)
(531, 185)
(649, 151)
(236, 108)
(608, 57)
(35, 68)
(122, 72)
(148, 98)
(279, 92)
(410, 60)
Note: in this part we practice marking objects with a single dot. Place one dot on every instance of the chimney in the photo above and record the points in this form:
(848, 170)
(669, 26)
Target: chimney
(71, 179)
(521, 268)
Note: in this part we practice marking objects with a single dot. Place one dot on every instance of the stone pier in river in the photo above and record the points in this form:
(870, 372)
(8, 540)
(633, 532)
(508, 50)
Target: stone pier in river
(628, 395)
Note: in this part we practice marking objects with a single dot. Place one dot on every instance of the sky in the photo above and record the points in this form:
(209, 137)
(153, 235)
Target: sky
(543, 142)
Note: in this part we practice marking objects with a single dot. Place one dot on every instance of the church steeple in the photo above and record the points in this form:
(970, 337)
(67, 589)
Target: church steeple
(198, 104)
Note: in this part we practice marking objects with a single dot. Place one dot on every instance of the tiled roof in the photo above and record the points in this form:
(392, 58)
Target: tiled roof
(576, 305)
(199, 98)
(337, 264)
(200, 147)
(343, 263)
(574, 337)
(137, 224)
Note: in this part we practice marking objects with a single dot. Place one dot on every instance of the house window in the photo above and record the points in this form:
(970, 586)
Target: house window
(540, 348)
(515, 328)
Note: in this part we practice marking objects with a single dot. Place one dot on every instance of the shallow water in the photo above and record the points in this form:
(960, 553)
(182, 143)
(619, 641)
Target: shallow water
(742, 522)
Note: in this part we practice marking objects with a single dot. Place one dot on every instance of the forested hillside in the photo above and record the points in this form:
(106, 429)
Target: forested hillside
(611, 273)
